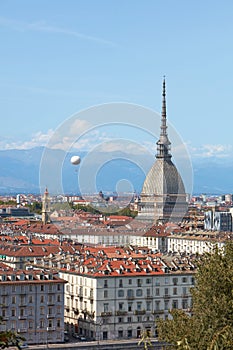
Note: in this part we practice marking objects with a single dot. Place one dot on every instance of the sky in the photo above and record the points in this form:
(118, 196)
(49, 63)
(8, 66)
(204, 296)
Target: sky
(60, 57)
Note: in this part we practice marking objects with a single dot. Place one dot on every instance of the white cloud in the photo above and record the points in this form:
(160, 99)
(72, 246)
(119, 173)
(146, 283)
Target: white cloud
(210, 151)
(38, 139)
(42, 26)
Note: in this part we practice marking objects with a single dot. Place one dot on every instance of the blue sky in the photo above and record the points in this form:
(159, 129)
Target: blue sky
(59, 57)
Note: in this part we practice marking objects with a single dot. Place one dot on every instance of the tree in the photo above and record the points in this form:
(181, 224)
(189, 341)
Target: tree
(210, 327)
(9, 339)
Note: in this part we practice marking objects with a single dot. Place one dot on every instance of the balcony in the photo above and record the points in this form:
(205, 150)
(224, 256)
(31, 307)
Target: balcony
(149, 297)
(49, 329)
(156, 312)
(121, 313)
(22, 317)
(139, 312)
(50, 315)
(130, 297)
(106, 314)
(167, 296)
(22, 330)
(5, 318)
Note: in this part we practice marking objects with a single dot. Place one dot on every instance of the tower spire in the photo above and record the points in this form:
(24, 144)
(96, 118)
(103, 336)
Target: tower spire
(163, 144)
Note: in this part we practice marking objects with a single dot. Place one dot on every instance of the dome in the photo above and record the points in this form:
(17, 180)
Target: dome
(163, 178)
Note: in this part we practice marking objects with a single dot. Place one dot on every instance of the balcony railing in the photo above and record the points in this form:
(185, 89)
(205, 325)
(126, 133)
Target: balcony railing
(139, 312)
(106, 314)
(121, 313)
(22, 330)
(22, 317)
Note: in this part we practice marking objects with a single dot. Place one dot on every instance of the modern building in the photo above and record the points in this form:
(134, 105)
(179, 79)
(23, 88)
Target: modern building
(218, 220)
(163, 196)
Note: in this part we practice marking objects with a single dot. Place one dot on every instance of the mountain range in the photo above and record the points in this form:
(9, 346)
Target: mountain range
(20, 172)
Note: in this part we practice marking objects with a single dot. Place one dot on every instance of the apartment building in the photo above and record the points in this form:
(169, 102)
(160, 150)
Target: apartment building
(32, 304)
(118, 298)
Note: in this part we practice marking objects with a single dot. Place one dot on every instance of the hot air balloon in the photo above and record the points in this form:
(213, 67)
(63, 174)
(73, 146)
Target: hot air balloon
(75, 160)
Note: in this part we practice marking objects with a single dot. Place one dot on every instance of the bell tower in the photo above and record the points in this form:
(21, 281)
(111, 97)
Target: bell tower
(45, 207)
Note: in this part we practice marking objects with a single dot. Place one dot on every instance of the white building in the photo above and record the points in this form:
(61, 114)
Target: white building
(120, 298)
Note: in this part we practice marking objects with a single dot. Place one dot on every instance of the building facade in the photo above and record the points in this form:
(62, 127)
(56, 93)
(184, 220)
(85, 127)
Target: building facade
(32, 304)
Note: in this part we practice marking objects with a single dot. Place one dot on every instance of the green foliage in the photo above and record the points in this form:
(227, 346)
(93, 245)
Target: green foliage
(36, 207)
(9, 339)
(145, 340)
(211, 325)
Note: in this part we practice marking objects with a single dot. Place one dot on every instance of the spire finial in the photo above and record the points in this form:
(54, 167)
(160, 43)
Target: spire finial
(163, 144)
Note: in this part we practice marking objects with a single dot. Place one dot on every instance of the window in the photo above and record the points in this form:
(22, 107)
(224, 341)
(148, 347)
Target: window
(105, 283)
(130, 307)
(121, 306)
(130, 293)
(42, 288)
(30, 299)
(148, 306)
(129, 333)
(120, 319)
(148, 292)
(21, 312)
(129, 319)
(120, 333)
(120, 293)
(139, 292)
(130, 281)
(157, 291)
(166, 291)
(120, 283)
(174, 291)
(139, 282)
(58, 287)
(157, 307)
(106, 307)
(105, 335)
(184, 304)
(184, 279)
(105, 293)
(166, 304)
(30, 324)
(175, 304)
(13, 312)
(41, 298)
(166, 280)
(139, 306)
(184, 290)
(175, 281)
(58, 323)
(157, 283)
(148, 281)
(58, 298)
(139, 318)
(42, 310)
